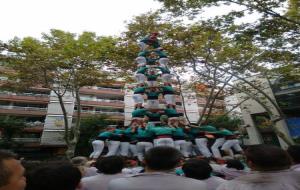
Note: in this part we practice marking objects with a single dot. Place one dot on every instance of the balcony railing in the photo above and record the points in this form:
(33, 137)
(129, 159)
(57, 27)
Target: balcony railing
(24, 94)
(113, 89)
(23, 108)
(27, 140)
(101, 112)
(102, 100)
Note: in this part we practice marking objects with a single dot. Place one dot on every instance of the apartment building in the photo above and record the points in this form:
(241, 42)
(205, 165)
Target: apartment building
(287, 95)
(40, 109)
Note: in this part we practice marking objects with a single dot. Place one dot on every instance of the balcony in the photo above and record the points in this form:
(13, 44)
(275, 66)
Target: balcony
(112, 115)
(103, 102)
(107, 92)
(28, 111)
(24, 97)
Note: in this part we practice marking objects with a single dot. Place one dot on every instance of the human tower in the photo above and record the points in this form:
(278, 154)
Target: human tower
(155, 120)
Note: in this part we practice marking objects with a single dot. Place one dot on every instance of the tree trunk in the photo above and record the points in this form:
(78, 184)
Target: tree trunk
(66, 122)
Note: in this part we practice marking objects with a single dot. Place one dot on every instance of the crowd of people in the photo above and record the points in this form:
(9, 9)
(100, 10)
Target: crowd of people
(190, 140)
(266, 167)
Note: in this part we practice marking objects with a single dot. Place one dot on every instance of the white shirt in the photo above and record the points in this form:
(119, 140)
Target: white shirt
(276, 180)
(156, 181)
(213, 182)
(296, 167)
(229, 173)
(99, 181)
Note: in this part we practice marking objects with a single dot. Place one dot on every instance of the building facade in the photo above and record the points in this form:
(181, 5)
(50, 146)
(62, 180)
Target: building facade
(257, 120)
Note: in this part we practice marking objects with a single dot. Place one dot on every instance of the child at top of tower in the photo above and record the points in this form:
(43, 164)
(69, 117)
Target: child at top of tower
(149, 40)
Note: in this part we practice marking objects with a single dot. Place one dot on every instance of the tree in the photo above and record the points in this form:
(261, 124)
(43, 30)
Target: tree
(89, 129)
(62, 62)
(225, 122)
(219, 53)
(9, 127)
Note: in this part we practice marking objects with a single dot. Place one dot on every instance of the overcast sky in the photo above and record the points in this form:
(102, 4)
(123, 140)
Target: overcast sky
(105, 17)
(32, 17)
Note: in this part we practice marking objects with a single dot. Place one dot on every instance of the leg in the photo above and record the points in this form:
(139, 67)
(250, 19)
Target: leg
(215, 147)
(133, 149)
(124, 148)
(113, 147)
(202, 147)
(227, 147)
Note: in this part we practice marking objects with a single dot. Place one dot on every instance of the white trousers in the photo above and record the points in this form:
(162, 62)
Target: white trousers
(142, 148)
(152, 83)
(98, 146)
(133, 150)
(163, 62)
(153, 104)
(141, 60)
(113, 147)
(202, 147)
(124, 149)
(166, 78)
(140, 78)
(233, 143)
(170, 98)
(142, 45)
(164, 142)
(215, 147)
(190, 149)
(138, 98)
(181, 145)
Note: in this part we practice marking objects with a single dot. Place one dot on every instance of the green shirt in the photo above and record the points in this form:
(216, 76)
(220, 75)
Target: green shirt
(142, 70)
(105, 134)
(170, 111)
(151, 77)
(143, 133)
(169, 89)
(164, 70)
(139, 90)
(139, 112)
(179, 132)
(153, 115)
(153, 95)
(161, 130)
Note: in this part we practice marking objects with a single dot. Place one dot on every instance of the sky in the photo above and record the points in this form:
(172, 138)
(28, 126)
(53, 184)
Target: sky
(23, 18)
(32, 17)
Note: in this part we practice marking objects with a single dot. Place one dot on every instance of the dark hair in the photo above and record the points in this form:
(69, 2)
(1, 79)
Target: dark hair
(197, 169)
(79, 161)
(110, 164)
(267, 157)
(5, 173)
(294, 152)
(62, 177)
(162, 158)
(235, 164)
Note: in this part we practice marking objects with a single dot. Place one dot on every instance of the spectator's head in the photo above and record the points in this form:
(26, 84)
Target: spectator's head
(162, 158)
(294, 152)
(79, 161)
(197, 169)
(61, 177)
(11, 172)
(110, 164)
(236, 164)
(267, 158)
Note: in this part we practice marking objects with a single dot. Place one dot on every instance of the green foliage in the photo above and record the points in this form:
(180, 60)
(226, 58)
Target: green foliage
(225, 122)
(89, 129)
(10, 126)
